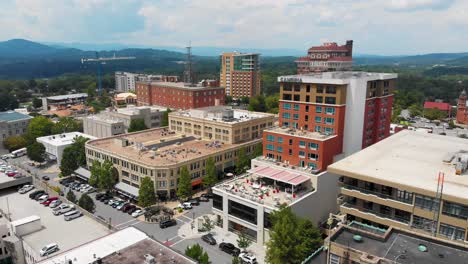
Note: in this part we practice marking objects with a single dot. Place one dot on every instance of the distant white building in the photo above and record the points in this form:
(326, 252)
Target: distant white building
(55, 144)
(125, 81)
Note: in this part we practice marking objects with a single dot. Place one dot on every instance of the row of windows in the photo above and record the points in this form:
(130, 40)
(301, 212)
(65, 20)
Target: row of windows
(318, 109)
(302, 154)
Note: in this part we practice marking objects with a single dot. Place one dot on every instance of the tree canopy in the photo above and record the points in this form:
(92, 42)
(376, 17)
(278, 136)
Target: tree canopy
(137, 125)
(292, 239)
(86, 203)
(39, 126)
(73, 156)
(242, 162)
(211, 177)
(36, 152)
(14, 142)
(165, 118)
(67, 124)
(184, 187)
(146, 194)
(197, 253)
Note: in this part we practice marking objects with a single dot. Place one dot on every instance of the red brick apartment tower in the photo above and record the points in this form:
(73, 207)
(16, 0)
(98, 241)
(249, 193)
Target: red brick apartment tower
(327, 114)
(178, 96)
(328, 57)
(240, 74)
(462, 114)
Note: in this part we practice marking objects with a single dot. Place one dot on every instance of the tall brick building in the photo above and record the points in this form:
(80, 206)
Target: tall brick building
(326, 114)
(178, 95)
(240, 74)
(328, 57)
(462, 113)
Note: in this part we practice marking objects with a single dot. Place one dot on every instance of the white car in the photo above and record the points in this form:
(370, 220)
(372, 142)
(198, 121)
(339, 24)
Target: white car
(121, 205)
(55, 203)
(185, 205)
(63, 208)
(43, 198)
(26, 188)
(138, 212)
(49, 249)
(247, 258)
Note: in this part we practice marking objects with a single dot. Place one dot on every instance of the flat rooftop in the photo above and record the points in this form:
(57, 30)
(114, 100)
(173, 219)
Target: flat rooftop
(67, 96)
(67, 234)
(338, 77)
(135, 110)
(300, 133)
(222, 114)
(409, 159)
(182, 85)
(63, 139)
(270, 185)
(158, 147)
(101, 248)
(135, 254)
(402, 245)
(9, 116)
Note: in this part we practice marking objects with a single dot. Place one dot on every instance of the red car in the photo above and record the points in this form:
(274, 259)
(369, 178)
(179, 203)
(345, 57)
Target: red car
(48, 201)
(11, 174)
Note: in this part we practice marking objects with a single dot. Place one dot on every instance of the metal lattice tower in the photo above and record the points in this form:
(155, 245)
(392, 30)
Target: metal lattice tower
(438, 200)
(188, 73)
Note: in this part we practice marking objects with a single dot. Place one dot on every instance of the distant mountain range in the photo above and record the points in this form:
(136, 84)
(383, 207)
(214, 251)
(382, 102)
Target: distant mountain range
(21, 58)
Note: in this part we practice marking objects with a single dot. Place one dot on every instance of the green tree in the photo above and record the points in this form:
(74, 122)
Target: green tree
(105, 178)
(184, 187)
(165, 119)
(36, 152)
(197, 253)
(243, 241)
(272, 103)
(137, 125)
(228, 100)
(258, 150)
(211, 177)
(73, 156)
(39, 126)
(451, 124)
(257, 104)
(146, 194)
(292, 239)
(434, 114)
(245, 100)
(71, 196)
(95, 170)
(207, 224)
(86, 203)
(67, 124)
(236, 260)
(14, 142)
(415, 110)
(36, 102)
(242, 162)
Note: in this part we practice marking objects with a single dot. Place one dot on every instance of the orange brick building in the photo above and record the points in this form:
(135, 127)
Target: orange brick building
(462, 113)
(178, 95)
(326, 114)
(240, 74)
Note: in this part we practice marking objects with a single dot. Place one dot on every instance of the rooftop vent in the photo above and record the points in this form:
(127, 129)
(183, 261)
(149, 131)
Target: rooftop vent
(149, 259)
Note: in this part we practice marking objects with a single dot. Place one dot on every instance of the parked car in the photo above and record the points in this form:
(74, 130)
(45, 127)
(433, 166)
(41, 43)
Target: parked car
(132, 209)
(117, 203)
(208, 195)
(121, 205)
(204, 199)
(72, 215)
(55, 203)
(43, 198)
(45, 178)
(90, 189)
(185, 206)
(33, 194)
(167, 223)
(208, 238)
(127, 207)
(49, 200)
(49, 249)
(247, 258)
(106, 200)
(137, 213)
(26, 188)
(39, 195)
(194, 202)
(62, 209)
(11, 174)
(229, 248)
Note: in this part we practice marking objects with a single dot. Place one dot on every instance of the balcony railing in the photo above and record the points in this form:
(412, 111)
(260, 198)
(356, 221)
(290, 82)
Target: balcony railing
(376, 193)
(378, 214)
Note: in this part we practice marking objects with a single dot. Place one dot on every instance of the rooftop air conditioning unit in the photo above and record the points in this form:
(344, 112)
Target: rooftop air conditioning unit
(149, 259)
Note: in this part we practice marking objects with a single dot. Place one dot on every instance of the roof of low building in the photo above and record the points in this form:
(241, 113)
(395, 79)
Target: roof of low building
(13, 116)
(67, 96)
(437, 105)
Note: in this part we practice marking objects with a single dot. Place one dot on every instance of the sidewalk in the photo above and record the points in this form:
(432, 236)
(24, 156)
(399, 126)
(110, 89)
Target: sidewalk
(185, 231)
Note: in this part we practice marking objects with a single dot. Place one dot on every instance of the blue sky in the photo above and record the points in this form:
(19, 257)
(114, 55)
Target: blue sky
(377, 26)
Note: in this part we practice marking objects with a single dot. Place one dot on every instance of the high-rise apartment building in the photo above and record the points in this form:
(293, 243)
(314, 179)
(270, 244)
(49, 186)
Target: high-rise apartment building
(325, 114)
(328, 57)
(240, 74)
(411, 181)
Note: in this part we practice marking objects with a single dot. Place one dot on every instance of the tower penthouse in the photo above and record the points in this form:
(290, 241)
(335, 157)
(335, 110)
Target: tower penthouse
(328, 57)
(325, 114)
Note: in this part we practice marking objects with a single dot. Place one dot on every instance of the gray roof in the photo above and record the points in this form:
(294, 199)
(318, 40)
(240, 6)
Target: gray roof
(13, 116)
(67, 96)
(83, 172)
(127, 188)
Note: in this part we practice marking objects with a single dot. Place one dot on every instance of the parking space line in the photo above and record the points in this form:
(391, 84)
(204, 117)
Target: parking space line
(181, 221)
(124, 223)
(190, 219)
(177, 242)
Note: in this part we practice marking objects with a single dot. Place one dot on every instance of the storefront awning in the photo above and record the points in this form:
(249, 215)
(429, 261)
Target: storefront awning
(127, 189)
(82, 173)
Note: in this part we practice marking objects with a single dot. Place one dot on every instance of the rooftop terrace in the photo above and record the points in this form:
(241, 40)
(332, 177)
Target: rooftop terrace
(270, 185)
(158, 147)
(399, 246)
(300, 133)
(338, 77)
(410, 159)
(63, 139)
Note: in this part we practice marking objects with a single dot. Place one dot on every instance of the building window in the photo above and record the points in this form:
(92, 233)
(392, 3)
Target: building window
(317, 128)
(271, 138)
(331, 90)
(330, 110)
(279, 149)
(405, 196)
(287, 106)
(301, 154)
(302, 144)
(296, 116)
(329, 121)
(318, 109)
(270, 147)
(312, 165)
(296, 107)
(313, 145)
(455, 210)
(290, 142)
(243, 212)
(313, 156)
(330, 100)
(452, 232)
(280, 140)
(217, 202)
(320, 89)
(318, 119)
(319, 99)
(426, 202)
(286, 115)
(329, 130)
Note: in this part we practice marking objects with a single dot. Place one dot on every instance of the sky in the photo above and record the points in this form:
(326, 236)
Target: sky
(385, 27)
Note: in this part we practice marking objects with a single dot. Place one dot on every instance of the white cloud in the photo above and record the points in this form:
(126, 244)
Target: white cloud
(412, 5)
